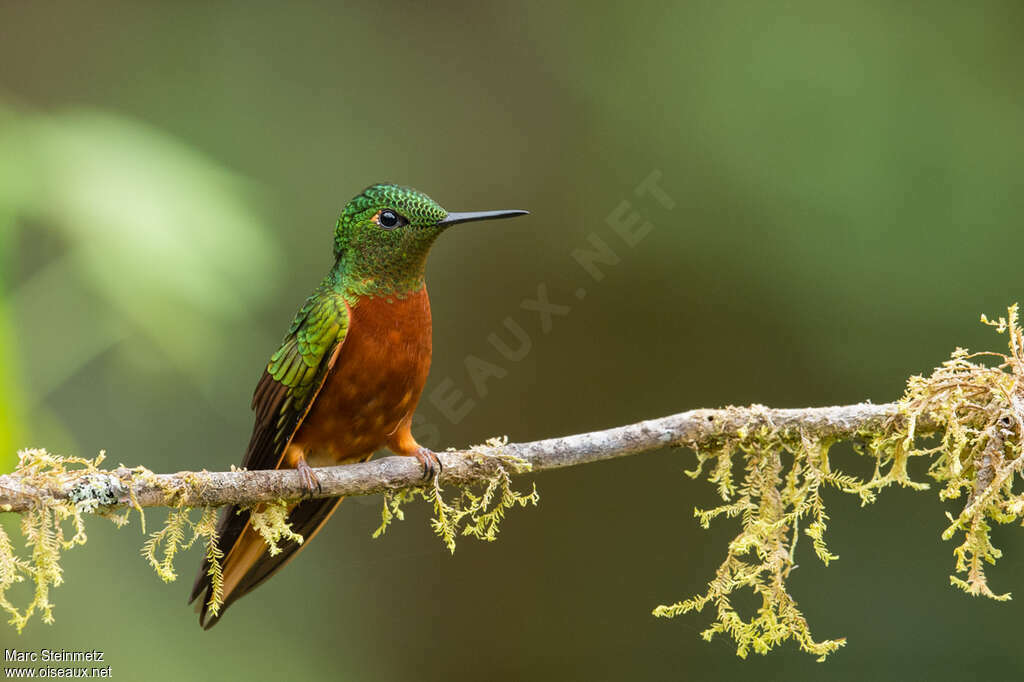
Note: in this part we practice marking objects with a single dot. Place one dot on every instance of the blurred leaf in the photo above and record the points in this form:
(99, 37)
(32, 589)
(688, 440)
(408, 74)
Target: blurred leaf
(153, 221)
(162, 246)
(10, 412)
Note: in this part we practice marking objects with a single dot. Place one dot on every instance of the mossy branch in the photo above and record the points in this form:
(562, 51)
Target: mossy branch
(698, 429)
(769, 467)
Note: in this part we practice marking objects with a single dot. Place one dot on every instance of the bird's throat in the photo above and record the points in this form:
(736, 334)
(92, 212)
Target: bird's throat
(399, 280)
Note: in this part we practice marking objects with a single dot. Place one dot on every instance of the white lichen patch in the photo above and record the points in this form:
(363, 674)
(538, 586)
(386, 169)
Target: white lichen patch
(48, 529)
(54, 525)
(770, 479)
(95, 490)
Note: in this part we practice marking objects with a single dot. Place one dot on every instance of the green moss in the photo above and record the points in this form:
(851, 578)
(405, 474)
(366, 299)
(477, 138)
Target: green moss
(979, 411)
(180, 532)
(48, 529)
(57, 525)
(771, 480)
(475, 510)
(783, 478)
(980, 408)
(271, 522)
(168, 541)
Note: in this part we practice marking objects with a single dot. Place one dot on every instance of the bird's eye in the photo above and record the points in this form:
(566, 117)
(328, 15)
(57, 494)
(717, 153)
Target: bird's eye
(389, 220)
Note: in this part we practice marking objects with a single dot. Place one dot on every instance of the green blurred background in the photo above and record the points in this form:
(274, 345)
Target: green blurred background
(847, 186)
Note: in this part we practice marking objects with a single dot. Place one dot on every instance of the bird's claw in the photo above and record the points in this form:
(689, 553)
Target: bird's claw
(430, 461)
(309, 480)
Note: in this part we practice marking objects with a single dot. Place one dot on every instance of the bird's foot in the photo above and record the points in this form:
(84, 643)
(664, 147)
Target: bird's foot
(431, 464)
(309, 480)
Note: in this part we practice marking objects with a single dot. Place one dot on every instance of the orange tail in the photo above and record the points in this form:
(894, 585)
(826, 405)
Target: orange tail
(247, 562)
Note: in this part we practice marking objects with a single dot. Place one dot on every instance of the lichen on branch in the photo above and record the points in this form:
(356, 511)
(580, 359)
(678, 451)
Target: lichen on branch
(49, 528)
(478, 508)
(785, 472)
(770, 467)
(978, 411)
(981, 410)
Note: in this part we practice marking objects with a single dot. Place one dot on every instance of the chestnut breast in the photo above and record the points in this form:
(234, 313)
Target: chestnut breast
(375, 382)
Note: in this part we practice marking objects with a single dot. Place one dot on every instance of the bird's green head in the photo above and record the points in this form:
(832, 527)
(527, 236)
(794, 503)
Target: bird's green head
(384, 234)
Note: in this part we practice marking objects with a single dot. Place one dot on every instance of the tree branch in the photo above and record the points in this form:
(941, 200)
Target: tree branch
(696, 428)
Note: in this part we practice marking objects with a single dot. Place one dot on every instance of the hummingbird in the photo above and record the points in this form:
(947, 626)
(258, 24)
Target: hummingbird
(347, 377)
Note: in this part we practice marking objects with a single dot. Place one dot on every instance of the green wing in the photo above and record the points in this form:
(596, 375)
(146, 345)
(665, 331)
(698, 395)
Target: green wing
(294, 376)
(288, 387)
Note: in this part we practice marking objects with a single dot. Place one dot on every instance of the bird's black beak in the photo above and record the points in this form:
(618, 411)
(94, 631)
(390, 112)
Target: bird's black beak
(455, 218)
